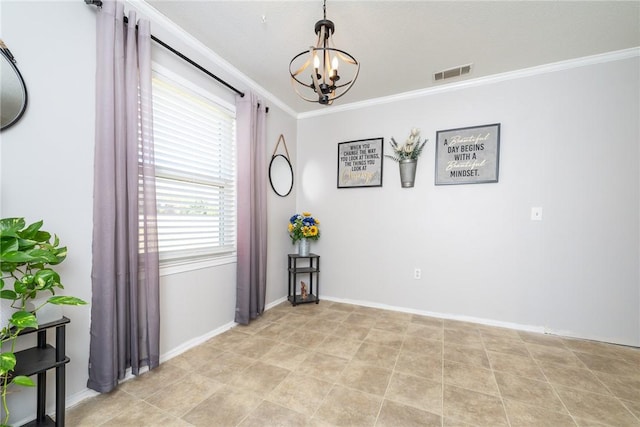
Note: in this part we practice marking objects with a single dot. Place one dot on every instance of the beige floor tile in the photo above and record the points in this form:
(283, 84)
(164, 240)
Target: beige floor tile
(325, 326)
(338, 306)
(472, 407)
(533, 392)
(338, 346)
(194, 358)
(362, 320)
(144, 415)
(417, 392)
(306, 337)
(391, 325)
(426, 320)
(254, 347)
(152, 381)
(94, 411)
(508, 345)
(419, 365)
(352, 332)
(516, 365)
(633, 407)
(597, 407)
(225, 366)
(498, 332)
(609, 365)
(625, 387)
(470, 338)
(470, 377)
(377, 355)
(395, 414)
(468, 355)
(276, 371)
(366, 378)
(278, 330)
(347, 407)
(578, 378)
(422, 346)
(523, 415)
(541, 339)
(260, 378)
(237, 405)
(185, 394)
(432, 333)
(377, 336)
(270, 414)
(300, 393)
(285, 356)
(322, 366)
(558, 355)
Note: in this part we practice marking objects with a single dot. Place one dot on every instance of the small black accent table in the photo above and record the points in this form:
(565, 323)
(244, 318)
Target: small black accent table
(310, 267)
(37, 361)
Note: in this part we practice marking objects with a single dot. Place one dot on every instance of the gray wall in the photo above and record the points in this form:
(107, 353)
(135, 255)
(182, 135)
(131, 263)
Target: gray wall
(569, 144)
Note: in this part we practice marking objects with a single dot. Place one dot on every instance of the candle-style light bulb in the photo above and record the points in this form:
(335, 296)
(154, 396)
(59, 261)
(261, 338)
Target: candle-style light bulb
(334, 68)
(316, 62)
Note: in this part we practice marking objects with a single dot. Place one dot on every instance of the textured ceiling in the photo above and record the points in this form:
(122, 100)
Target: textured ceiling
(400, 44)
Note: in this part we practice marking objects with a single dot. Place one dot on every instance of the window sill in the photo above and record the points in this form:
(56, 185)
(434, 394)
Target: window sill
(182, 266)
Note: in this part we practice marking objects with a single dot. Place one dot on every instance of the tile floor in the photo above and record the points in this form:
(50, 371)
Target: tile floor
(335, 364)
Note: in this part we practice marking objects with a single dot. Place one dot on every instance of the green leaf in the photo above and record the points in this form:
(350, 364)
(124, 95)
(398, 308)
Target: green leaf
(1, 284)
(8, 244)
(7, 362)
(23, 381)
(16, 256)
(8, 294)
(66, 300)
(42, 255)
(46, 277)
(11, 226)
(31, 230)
(24, 319)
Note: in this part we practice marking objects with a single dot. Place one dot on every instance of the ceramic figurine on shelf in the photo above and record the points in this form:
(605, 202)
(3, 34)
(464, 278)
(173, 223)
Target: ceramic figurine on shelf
(303, 291)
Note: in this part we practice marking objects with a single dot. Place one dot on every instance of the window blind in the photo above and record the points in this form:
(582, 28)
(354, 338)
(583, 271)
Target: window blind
(195, 156)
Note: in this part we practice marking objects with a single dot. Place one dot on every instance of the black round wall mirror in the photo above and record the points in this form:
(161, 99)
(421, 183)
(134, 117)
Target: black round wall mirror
(13, 91)
(281, 175)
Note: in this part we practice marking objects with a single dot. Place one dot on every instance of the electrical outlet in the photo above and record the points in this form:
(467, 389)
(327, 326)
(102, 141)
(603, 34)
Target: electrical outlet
(536, 213)
(417, 273)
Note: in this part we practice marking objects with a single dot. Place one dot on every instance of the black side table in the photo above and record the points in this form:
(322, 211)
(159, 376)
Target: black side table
(311, 268)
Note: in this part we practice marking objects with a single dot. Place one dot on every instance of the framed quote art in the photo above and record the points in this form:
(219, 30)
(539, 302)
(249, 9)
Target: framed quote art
(360, 163)
(468, 155)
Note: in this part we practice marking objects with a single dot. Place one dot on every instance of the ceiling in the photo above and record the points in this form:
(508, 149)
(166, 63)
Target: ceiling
(401, 44)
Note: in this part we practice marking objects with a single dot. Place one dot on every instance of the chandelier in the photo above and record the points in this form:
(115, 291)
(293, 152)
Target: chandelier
(323, 79)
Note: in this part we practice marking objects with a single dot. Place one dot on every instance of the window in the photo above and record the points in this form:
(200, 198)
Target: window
(194, 137)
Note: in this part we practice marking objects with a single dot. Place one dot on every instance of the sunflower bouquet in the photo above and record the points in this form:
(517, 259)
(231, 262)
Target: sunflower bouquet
(303, 226)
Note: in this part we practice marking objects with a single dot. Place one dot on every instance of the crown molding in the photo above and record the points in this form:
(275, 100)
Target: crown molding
(481, 81)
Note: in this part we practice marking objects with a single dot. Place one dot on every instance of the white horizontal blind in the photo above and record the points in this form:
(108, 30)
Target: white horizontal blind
(194, 142)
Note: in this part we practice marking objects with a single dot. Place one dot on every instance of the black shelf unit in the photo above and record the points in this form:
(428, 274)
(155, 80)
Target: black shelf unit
(37, 361)
(312, 269)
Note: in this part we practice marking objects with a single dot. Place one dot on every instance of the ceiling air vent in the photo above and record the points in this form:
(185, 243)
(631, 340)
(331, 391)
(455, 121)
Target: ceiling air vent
(452, 72)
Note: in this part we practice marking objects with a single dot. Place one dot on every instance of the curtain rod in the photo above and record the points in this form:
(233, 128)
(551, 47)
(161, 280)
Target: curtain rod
(98, 3)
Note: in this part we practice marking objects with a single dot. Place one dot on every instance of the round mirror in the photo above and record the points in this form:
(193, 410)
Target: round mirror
(281, 175)
(13, 91)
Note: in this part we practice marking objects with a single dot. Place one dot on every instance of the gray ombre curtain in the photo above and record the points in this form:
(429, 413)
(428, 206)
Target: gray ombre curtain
(251, 277)
(125, 315)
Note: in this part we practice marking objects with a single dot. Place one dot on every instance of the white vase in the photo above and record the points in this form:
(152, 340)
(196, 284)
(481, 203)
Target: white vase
(304, 246)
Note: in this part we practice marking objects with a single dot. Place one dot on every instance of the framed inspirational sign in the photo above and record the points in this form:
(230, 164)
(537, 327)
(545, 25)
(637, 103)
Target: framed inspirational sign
(360, 163)
(468, 155)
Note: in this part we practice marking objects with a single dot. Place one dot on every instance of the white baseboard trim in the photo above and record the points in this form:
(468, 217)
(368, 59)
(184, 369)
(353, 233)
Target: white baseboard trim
(470, 319)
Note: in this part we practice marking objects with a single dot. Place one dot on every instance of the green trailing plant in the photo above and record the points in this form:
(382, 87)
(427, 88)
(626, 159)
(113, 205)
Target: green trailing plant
(26, 254)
